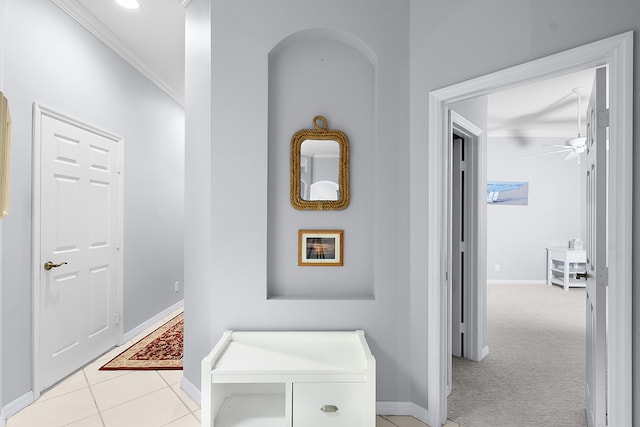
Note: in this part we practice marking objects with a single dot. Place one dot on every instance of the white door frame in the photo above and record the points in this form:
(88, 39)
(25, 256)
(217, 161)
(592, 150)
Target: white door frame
(40, 110)
(617, 53)
(475, 295)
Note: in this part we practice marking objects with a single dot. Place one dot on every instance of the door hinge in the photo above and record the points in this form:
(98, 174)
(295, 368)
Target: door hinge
(118, 244)
(463, 246)
(603, 118)
(463, 328)
(463, 165)
(603, 276)
(117, 317)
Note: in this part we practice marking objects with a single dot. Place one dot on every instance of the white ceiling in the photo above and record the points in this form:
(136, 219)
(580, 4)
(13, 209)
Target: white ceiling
(546, 108)
(151, 39)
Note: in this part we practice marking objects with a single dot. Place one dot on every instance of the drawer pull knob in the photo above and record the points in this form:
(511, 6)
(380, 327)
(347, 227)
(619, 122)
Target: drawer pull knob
(329, 408)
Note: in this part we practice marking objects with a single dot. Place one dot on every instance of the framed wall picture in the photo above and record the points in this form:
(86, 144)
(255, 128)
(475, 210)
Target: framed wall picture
(5, 154)
(320, 248)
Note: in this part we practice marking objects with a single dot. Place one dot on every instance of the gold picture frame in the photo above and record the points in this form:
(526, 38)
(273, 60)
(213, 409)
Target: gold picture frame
(320, 248)
(5, 154)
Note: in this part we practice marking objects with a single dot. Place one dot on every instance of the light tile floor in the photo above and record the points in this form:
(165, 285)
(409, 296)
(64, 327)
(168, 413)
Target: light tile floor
(94, 398)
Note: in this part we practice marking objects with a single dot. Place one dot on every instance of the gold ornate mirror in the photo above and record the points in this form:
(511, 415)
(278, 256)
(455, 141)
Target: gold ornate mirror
(319, 168)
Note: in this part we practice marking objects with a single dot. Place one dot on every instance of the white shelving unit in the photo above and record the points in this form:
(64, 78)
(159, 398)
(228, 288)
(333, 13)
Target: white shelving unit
(563, 264)
(289, 379)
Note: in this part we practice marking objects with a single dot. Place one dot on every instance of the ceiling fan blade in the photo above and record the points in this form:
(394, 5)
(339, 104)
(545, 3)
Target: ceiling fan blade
(548, 152)
(534, 116)
(556, 145)
(572, 155)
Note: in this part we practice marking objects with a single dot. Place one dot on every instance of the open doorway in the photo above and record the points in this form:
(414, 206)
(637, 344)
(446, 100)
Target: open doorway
(534, 201)
(614, 52)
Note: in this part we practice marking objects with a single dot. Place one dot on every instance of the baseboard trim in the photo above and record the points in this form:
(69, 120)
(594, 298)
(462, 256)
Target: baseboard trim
(484, 352)
(3, 419)
(152, 321)
(402, 408)
(192, 391)
(12, 408)
(517, 282)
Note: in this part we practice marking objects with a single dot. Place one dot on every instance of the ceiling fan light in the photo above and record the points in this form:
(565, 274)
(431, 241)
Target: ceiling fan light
(129, 4)
(576, 142)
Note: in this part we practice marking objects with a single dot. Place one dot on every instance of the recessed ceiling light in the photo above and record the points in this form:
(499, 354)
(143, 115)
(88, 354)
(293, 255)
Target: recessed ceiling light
(129, 4)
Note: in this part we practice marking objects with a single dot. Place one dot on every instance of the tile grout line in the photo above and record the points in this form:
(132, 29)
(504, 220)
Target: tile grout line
(178, 396)
(388, 420)
(94, 398)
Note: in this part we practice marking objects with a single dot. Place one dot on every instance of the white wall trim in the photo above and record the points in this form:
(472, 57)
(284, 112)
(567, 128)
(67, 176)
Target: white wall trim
(517, 282)
(192, 391)
(3, 418)
(150, 322)
(78, 12)
(12, 408)
(475, 293)
(617, 53)
(39, 111)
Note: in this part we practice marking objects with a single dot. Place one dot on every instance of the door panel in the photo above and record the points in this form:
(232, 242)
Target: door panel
(78, 204)
(596, 192)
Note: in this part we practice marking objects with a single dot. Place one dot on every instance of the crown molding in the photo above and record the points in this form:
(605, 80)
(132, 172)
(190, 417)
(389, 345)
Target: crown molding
(81, 15)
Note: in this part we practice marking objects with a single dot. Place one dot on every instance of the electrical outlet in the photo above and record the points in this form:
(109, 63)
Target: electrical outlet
(176, 287)
(496, 267)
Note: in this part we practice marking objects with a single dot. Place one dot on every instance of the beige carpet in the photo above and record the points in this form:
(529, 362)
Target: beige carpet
(534, 374)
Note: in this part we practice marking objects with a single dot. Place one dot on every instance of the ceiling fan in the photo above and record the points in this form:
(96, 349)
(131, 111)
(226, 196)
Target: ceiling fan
(573, 146)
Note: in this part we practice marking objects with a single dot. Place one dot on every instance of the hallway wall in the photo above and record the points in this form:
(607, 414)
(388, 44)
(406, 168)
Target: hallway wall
(49, 58)
(227, 287)
(518, 235)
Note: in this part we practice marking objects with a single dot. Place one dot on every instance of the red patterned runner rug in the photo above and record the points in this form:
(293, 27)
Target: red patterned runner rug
(161, 349)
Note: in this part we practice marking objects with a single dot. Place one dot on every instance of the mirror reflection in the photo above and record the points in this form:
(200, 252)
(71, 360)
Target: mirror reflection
(319, 170)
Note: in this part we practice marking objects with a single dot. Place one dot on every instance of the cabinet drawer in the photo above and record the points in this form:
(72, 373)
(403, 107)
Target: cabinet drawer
(344, 404)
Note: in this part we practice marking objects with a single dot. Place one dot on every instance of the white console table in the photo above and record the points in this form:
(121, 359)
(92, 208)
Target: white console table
(562, 266)
(289, 379)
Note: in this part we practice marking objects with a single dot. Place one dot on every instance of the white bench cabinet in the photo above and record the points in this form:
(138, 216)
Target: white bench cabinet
(564, 265)
(289, 379)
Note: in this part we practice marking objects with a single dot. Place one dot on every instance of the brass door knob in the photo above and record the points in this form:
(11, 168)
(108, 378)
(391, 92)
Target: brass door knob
(49, 265)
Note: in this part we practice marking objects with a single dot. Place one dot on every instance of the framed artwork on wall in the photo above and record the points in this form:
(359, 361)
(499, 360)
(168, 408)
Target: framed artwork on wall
(507, 192)
(5, 154)
(320, 248)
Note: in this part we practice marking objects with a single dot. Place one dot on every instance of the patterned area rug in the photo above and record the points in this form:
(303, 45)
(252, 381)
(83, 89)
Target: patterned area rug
(161, 349)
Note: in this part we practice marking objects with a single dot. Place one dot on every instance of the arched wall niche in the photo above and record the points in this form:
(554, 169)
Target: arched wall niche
(328, 72)
(314, 34)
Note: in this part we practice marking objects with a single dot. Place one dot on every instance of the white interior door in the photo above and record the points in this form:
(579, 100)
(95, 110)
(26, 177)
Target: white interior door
(597, 274)
(78, 209)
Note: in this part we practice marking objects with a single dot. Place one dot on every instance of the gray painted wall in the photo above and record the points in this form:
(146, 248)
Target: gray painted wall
(51, 59)
(448, 42)
(337, 78)
(518, 235)
(488, 36)
(228, 290)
